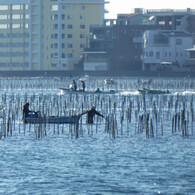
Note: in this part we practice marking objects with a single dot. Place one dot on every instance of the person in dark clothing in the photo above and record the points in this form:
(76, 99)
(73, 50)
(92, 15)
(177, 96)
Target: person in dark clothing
(90, 115)
(74, 85)
(26, 110)
(83, 85)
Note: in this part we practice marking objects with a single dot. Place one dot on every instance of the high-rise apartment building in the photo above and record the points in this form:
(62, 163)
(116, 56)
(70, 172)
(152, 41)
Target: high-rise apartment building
(46, 34)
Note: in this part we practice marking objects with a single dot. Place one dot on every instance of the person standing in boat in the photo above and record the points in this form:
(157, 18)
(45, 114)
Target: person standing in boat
(83, 85)
(26, 110)
(74, 85)
(90, 115)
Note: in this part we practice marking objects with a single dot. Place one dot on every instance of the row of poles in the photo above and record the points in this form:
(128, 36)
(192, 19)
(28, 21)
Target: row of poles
(152, 115)
(124, 83)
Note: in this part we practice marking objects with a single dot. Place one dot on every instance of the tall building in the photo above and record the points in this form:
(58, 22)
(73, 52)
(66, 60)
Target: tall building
(46, 34)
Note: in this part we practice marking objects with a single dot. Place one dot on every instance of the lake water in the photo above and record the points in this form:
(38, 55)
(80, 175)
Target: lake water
(118, 160)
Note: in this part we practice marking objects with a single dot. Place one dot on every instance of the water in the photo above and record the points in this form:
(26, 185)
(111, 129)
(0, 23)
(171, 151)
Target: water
(57, 163)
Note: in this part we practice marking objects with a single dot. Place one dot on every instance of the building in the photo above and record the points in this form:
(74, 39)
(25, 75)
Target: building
(97, 56)
(164, 49)
(46, 34)
(122, 45)
(14, 35)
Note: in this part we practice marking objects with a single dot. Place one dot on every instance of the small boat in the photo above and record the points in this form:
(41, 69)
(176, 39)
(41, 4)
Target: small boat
(97, 91)
(52, 119)
(153, 91)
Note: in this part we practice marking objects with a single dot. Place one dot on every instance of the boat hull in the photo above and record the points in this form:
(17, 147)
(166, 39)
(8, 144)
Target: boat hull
(153, 91)
(53, 119)
(66, 90)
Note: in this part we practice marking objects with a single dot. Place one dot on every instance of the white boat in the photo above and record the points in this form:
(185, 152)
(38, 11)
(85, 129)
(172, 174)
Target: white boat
(97, 91)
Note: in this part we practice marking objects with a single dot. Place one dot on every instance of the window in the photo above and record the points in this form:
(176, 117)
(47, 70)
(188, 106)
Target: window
(157, 55)
(15, 26)
(54, 8)
(54, 55)
(63, 26)
(178, 41)
(3, 17)
(16, 16)
(82, 17)
(82, 7)
(54, 65)
(82, 46)
(54, 36)
(146, 54)
(70, 55)
(70, 17)
(82, 26)
(82, 36)
(63, 55)
(15, 7)
(63, 36)
(3, 7)
(70, 26)
(63, 45)
(63, 17)
(54, 26)
(26, 7)
(55, 45)
(160, 40)
(68, 7)
(150, 54)
(26, 16)
(54, 17)
(70, 45)
(70, 36)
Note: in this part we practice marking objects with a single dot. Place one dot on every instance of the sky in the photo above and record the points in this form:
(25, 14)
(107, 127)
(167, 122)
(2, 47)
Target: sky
(127, 6)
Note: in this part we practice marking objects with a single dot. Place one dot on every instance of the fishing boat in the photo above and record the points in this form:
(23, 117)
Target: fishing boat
(32, 118)
(153, 91)
(97, 91)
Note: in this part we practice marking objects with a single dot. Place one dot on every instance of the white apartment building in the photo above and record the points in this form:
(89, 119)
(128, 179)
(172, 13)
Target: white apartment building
(164, 48)
(46, 34)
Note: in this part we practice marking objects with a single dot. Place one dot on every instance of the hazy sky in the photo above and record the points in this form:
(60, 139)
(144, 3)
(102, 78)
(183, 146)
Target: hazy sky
(127, 6)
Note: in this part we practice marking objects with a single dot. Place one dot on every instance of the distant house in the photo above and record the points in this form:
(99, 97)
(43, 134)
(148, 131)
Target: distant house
(165, 49)
(95, 61)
